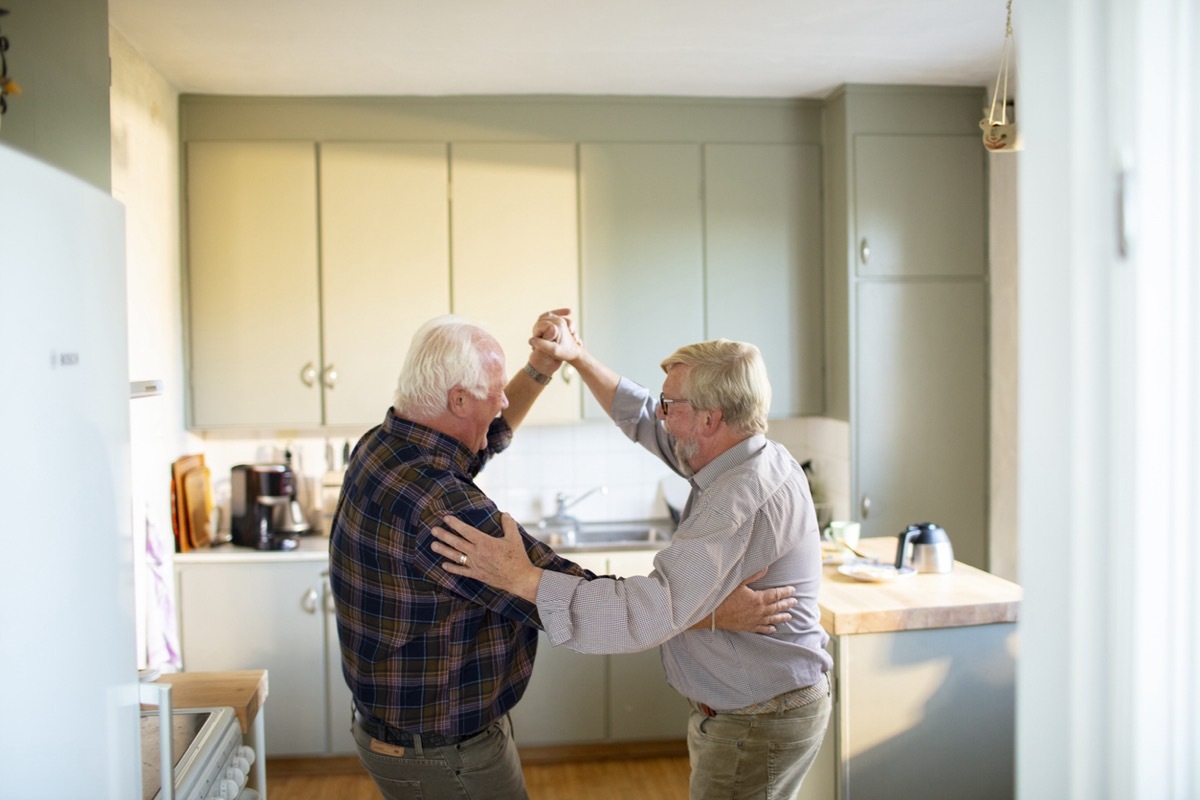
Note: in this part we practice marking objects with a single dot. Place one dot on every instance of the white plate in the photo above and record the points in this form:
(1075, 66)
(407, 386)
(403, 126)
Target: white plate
(872, 572)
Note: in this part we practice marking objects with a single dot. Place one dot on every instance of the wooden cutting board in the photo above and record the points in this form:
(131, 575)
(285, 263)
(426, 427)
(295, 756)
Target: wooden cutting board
(180, 520)
(198, 502)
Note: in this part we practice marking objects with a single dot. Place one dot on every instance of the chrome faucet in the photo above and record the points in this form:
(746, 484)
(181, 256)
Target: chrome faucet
(560, 518)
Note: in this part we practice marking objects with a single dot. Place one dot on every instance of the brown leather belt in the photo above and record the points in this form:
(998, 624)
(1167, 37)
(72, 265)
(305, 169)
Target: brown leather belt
(784, 702)
(386, 734)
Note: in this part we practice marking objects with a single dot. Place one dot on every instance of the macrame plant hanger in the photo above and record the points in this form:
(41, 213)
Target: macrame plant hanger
(999, 132)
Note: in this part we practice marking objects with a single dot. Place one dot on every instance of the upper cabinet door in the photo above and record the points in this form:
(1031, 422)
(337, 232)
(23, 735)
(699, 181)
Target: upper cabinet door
(919, 205)
(921, 416)
(514, 234)
(385, 267)
(643, 261)
(762, 230)
(252, 284)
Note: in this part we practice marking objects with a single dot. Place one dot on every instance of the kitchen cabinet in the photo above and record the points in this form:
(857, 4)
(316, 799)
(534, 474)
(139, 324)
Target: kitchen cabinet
(575, 698)
(907, 307)
(252, 283)
(240, 609)
(565, 701)
(339, 703)
(924, 683)
(262, 614)
(302, 302)
(319, 238)
(385, 268)
(516, 249)
(683, 243)
(642, 705)
(642, 240)
(763, 260)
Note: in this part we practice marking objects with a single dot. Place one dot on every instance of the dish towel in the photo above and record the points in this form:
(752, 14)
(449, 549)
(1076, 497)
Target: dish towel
(162, 633)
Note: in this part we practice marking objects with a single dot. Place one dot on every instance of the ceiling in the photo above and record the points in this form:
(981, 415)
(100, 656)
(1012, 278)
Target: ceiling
(714, 48)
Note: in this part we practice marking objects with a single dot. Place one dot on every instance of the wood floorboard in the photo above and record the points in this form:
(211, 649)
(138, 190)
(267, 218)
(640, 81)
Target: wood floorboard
(640, 778)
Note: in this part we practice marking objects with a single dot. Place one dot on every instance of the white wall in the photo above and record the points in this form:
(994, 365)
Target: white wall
(1004, 462)
(1109, 412)
(58, 55)
(145, 170)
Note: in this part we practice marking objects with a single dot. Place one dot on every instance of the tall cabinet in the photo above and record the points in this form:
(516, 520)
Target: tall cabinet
(907, 307)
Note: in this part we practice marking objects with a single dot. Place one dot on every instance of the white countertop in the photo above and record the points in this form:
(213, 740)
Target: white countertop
(312, 548)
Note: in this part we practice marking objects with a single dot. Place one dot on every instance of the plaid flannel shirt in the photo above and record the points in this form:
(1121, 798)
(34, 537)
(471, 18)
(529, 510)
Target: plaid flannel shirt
(423, 650)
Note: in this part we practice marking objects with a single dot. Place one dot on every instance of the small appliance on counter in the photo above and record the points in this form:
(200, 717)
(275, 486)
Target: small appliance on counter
(264, 513)
(925, 547)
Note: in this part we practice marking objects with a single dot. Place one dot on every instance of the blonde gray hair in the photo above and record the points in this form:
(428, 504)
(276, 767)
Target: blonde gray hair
(446, 352)
(729, 376)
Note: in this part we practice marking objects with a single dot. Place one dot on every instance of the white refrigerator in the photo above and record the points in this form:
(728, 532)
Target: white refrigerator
(69, 713)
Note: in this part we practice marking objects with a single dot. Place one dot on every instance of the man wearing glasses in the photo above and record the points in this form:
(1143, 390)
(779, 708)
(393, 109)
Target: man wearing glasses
(760, 704)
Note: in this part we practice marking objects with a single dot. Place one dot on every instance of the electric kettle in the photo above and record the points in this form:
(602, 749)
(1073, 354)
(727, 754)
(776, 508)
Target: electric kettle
(926, 548)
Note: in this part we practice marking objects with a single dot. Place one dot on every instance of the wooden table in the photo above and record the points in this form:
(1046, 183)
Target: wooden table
(245, 691)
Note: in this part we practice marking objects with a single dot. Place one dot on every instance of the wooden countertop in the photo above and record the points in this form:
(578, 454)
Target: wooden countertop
(964, 596)
(244, 690)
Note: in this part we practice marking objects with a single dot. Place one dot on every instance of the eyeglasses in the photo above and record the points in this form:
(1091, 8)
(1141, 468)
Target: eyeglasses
(665, 403)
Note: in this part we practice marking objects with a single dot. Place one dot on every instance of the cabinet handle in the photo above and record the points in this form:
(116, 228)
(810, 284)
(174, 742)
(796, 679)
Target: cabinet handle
(568, 374)
(309, 601)
(308, 375)
(864, 251)
(865, 506)
(329, 376)
(328, 590)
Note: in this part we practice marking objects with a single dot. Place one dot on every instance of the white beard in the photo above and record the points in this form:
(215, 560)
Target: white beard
(685, 451)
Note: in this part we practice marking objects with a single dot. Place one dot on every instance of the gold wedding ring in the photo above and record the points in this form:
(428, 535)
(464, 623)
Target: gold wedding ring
(462, 560)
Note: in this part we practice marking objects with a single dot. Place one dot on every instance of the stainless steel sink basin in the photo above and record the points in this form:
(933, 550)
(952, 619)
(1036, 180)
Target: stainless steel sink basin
(605, 536)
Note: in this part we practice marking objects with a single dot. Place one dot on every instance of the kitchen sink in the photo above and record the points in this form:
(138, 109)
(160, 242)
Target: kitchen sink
(605, 536)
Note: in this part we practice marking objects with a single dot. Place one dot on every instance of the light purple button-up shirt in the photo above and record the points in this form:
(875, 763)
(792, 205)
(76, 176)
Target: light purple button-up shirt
(749, 508)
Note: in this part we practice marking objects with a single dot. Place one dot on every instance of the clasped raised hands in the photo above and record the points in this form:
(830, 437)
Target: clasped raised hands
(554, 335)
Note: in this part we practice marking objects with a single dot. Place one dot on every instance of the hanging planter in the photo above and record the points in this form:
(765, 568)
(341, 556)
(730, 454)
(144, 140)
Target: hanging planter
(1000, 125)
(7, 85)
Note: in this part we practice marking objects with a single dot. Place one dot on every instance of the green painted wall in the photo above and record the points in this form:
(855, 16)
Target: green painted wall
(58, 55)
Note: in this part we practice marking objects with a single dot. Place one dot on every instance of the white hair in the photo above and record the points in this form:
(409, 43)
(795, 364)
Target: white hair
(727, 375)
(446, 352)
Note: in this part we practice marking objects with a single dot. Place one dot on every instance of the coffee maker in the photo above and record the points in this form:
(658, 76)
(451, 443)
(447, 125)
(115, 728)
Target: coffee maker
(263, 510)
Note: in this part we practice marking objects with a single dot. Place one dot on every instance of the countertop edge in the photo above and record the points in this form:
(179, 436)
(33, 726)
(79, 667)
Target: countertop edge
(245, 691)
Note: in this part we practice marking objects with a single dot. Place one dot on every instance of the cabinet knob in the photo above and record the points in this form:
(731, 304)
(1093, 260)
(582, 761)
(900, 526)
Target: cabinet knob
(308, 374)
(865, 506)
(329, 376)
(568, 373)
(330, 608)
(864, 251)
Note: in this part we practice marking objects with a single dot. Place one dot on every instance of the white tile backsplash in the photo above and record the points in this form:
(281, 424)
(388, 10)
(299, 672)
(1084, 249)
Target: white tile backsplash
(546, 460)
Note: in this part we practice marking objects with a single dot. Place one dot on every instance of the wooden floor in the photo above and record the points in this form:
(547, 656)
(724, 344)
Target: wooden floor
(638, 778)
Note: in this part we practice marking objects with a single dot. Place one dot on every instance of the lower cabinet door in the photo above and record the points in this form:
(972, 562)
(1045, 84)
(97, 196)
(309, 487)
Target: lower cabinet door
(340, 702)
(262, 616)
(642, 704)
(564, 703)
